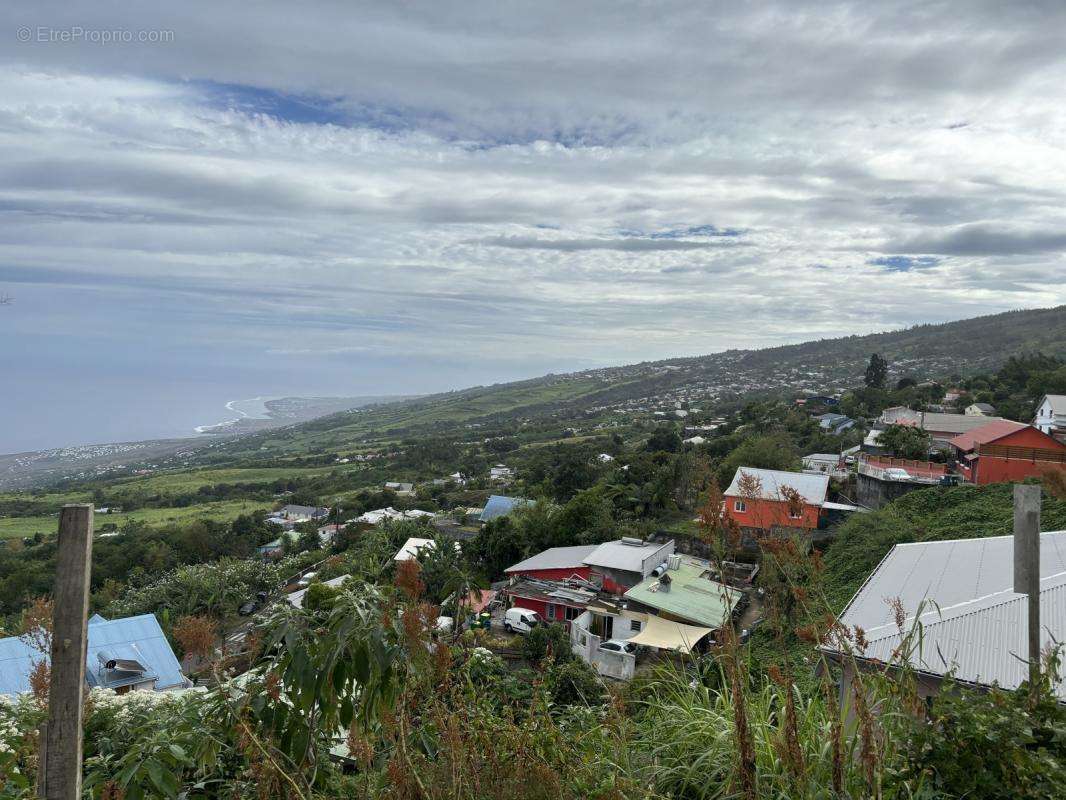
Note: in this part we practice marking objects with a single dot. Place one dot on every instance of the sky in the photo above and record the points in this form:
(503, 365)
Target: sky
(202, 202)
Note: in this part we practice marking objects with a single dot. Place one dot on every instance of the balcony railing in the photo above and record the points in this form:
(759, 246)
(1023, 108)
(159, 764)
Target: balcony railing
(917, 471)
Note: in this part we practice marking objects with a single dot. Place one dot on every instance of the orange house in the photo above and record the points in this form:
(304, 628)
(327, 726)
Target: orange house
(757, 499)
(1004, 451)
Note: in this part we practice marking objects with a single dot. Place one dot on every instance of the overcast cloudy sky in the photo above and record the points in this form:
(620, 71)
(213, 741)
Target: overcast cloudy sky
(364, 198)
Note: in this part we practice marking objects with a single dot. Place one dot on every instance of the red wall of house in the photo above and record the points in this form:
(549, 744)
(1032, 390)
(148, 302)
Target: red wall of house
(994, 469)
(555, 574)
(766, 514)
(541, 607)
(1001, 470)
(533, 605)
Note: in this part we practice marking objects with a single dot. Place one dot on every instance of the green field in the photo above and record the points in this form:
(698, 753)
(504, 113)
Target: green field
(51, 498)
(18, 527)
(191, 480)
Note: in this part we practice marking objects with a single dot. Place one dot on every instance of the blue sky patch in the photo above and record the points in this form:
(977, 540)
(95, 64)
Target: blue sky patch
(296, 108)
(904, 263)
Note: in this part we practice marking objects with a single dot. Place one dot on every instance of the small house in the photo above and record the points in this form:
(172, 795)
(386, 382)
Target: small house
(302, 513)
(1004, 450)
(684, 592)
(979, 410)
(616, 566)
(554, 601)
(757, 499)
(501, 473)
(129, 654)
(1051, 416)
(834, 423)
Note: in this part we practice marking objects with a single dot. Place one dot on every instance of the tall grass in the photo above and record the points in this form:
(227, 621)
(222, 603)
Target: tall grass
(687, 733)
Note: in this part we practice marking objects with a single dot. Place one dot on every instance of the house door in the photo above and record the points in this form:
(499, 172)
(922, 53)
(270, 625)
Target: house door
(608, 628)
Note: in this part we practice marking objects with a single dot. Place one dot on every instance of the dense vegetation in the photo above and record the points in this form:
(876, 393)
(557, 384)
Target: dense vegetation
(359, 695)
(355, 695)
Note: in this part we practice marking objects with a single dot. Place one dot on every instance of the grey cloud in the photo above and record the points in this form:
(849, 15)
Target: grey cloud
(589, 73)
(981, 239)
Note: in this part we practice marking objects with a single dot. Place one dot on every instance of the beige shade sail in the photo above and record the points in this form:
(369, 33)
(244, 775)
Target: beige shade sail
(666, 635)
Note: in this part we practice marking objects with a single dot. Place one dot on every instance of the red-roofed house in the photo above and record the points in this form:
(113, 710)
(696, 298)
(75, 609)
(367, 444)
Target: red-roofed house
(1006, 451)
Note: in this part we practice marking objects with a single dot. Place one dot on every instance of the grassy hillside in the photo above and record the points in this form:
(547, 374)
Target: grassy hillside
(47, 525)
(962, 347)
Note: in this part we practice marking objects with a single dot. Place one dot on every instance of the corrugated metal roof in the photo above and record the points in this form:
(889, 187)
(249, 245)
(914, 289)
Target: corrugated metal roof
(984, 641)
(556, 558)
(499, 505)
(641, 558)
(137, 637)
(690, 595)
(812, 488)
(947, 572)
(983, 434)
(980, 627)
(953, 423)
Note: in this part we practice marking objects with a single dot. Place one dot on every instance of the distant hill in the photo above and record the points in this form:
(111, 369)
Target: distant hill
(823, 366)
(827, 365)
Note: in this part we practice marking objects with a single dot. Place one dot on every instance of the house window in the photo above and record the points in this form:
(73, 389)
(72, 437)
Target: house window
(570, 613)
(634, 625)
(550, 613)
(793, 514)
(740, 506)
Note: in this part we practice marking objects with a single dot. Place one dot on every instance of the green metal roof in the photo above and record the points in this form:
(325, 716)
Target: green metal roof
(690, 596)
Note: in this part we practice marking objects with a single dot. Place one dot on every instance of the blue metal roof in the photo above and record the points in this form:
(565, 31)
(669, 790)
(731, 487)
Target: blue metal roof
(134, 638)
(500, 506)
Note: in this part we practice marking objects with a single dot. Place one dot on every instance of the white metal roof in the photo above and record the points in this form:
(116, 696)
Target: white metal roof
(977, 625)
(811, 487)
(412, 547)
(555, 558)
(629, 557)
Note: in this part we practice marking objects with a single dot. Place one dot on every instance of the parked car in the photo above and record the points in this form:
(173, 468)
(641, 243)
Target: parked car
(949, 480)
(521, 620)
(254, 605)
(897, 474)
(618, 646)
(306, 580)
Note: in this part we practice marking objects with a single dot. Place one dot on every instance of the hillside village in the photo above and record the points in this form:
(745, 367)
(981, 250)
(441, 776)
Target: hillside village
(615, 544)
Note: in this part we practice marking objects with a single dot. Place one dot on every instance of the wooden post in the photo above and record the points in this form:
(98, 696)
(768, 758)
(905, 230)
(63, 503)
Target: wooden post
(63, 736)
(1027, 566)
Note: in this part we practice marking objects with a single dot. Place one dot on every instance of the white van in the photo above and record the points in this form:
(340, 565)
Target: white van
(521, 620)
(306, 580)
